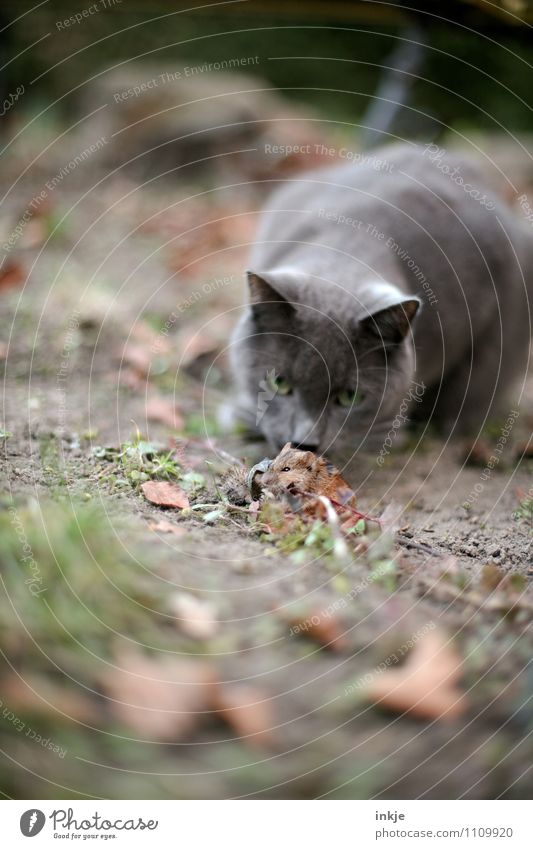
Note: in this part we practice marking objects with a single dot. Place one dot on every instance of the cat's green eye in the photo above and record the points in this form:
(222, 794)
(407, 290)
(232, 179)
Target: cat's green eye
(348, 398)
(279, 384)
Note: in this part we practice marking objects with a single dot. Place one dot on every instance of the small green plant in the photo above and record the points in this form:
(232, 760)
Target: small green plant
(320, 538)
(165, 467)
(193, 481)
(141, 460)
(524, 510)
(272, 515)
(53, 465)
(359, 528)
(201, 425)
(385, 574)
(294, 536)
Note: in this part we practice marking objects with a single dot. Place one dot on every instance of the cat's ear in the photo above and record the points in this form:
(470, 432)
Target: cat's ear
(286, 447)
(392, 323)
(265, 300)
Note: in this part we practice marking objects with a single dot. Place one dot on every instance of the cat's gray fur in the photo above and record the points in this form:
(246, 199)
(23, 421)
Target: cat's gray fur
(334, 305)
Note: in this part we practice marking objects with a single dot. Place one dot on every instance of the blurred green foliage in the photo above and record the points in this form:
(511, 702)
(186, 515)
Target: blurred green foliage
(470, 79)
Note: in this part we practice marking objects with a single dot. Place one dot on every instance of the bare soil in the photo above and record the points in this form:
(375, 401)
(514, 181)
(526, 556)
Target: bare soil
(85, 345)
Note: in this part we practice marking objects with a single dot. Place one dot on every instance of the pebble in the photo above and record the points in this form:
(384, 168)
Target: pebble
(244, 568)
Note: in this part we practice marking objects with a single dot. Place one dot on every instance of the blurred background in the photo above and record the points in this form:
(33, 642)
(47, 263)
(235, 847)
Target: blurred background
(474, 54)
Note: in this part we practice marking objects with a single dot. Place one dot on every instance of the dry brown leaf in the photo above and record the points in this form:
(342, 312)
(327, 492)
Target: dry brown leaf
(524, 451)
(130, 379)
(151, 340)
(35, 233)
(137, 358)
(491, 576)
(37, 695)
(12, 275)
(195, 617)
(161, 699)
(426, 684)
(247, 710)
(165, 527)
(164, 410)
(321, 628)
(165, 494)
(193, 346)
(478, 453)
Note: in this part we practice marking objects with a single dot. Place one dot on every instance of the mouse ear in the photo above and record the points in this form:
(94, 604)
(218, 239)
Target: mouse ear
(265, 300)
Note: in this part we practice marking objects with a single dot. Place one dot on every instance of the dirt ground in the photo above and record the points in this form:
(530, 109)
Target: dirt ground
(116, 310)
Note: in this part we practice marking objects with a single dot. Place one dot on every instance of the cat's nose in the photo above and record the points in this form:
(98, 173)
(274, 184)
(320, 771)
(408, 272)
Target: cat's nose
(307, 446)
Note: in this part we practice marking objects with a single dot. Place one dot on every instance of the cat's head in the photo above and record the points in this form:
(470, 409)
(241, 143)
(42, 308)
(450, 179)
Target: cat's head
(318, 366)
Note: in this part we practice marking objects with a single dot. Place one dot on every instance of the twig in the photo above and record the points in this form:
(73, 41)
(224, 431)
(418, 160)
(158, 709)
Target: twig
(229, 458)
(220, 506)
(344, 507)
(357, 512)
(501, 605)
(340, 549)
(210, 468)
(419, 546)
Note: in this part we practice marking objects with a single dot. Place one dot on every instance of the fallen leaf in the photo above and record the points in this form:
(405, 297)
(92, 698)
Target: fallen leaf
(165, 527)
(478, 453)
(247, 710)
(195, 617)
(138, 358)
(148, 337)
(165, 494)
(524, 451)
(130, 379)
(320, 627)
(426, 684)
(35, 233)
(12, 274)
(491, 576)
(163, 410)
(194, 345)
(38, 696)
(160, 698)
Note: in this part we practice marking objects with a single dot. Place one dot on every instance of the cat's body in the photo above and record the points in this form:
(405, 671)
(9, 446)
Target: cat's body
(327, 352)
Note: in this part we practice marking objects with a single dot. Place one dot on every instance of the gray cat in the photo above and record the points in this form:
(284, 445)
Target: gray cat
(398, 284)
